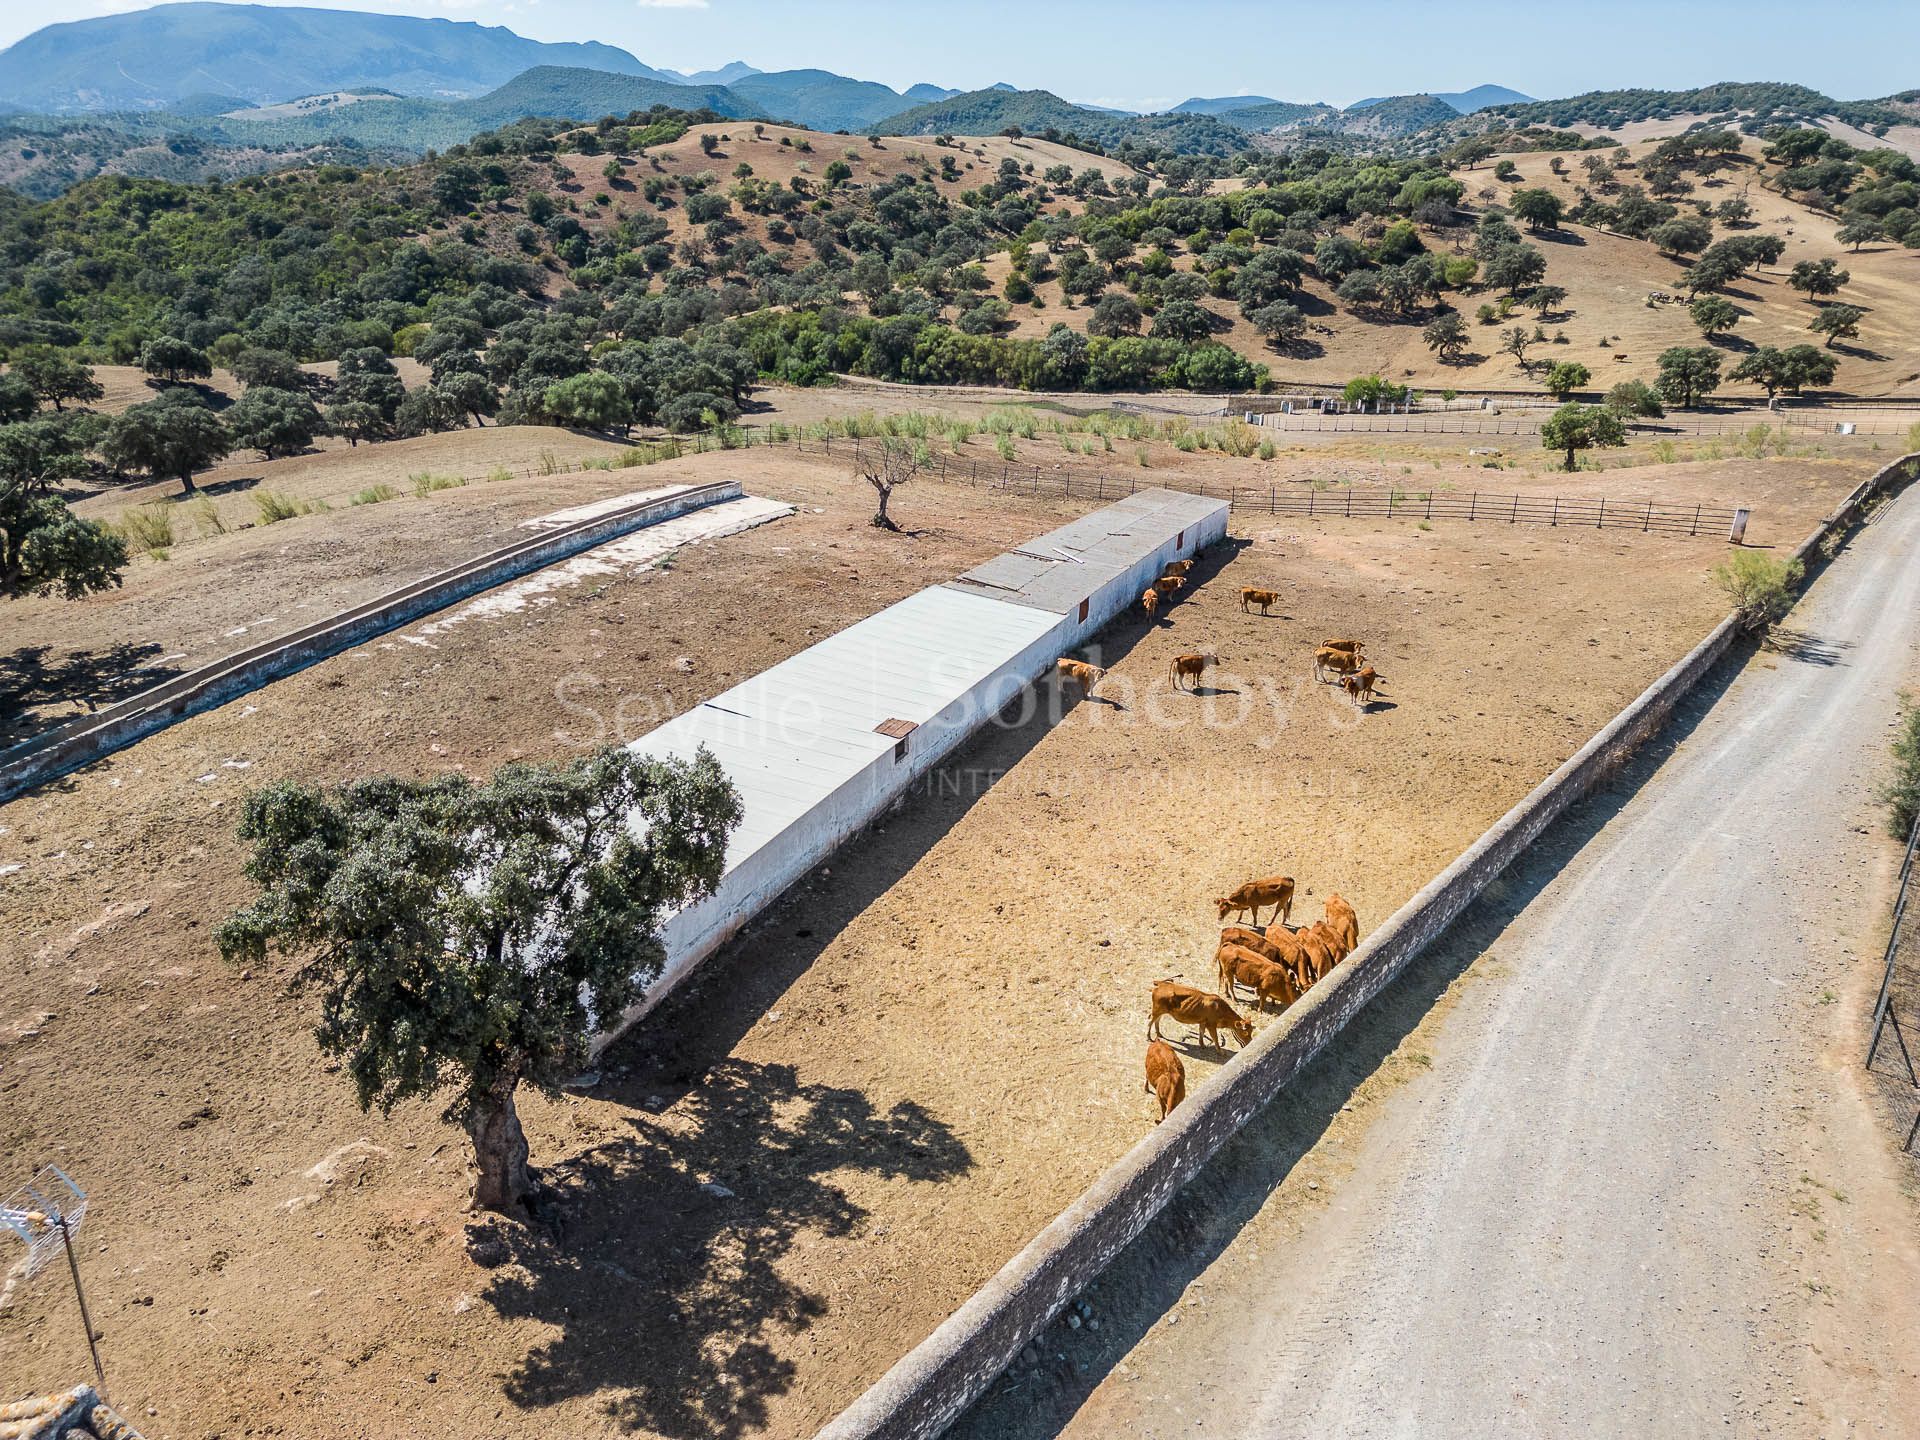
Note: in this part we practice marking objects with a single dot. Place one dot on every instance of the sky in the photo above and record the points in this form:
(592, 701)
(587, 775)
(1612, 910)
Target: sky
(1151, 54)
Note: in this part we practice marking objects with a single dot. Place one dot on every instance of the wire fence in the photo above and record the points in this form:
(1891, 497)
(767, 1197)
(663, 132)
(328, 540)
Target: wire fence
(1897, 1007)
(1350, 502)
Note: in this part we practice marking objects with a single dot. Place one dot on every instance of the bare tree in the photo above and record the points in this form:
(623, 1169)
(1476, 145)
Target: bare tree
(885, 467)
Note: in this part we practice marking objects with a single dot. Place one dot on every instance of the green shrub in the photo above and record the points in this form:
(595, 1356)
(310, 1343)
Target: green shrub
(1760, 586)
(206, 515)
(1901, 792)
(426, 482)
(275, 506)
(148, 527)
(374, 494)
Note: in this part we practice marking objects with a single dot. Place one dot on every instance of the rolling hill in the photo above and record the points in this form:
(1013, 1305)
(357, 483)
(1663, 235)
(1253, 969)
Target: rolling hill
(1035, 112)
(821, 100)
(1464, 102)
(154, 59)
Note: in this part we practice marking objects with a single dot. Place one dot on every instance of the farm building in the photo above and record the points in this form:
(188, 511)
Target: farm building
(824, 742)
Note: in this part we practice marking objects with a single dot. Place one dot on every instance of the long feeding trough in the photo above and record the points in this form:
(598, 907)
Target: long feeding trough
(822, 743)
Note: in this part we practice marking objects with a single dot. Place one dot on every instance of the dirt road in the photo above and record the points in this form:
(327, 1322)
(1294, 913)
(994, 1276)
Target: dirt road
(1630, 1187)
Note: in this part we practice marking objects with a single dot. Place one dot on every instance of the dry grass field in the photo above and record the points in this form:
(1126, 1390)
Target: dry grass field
(863, 1105)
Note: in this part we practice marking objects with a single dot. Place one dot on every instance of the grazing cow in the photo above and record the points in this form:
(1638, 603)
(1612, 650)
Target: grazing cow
(1167, 586)
(1177, 567)
(1288, 950)
(1191, 667)
(1263, 598)
(1209, 1014)
(1316, 952)
(1353, 645)
(1254, 940)
(1150, 602)
(1332, 937)
(1275, 890)
(1342, 920)
(1166, 1076)
(1268, 979)
(1080, 673)
(1340, 662)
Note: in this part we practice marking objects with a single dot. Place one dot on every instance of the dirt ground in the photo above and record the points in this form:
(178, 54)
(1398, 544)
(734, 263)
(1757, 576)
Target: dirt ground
(895, 1077)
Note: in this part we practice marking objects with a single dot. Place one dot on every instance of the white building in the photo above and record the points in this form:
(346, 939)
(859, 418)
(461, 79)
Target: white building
(822, 743)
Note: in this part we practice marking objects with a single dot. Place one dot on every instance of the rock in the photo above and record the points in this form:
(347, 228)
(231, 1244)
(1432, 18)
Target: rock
(487, 1247)
(463, 1304)
(1073, 1321)
(684, 665)
(1029, 1356)
(585, 1080)
(717, 1190)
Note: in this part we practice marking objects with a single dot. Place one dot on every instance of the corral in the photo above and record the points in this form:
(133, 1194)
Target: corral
(861, 1105)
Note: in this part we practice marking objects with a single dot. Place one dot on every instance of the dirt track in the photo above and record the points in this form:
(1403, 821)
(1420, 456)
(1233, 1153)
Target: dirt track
(1637, 1192)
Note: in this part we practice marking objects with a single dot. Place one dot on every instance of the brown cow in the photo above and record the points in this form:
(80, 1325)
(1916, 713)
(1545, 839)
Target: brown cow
(1317, 952)
(1275, 890)
(1209, 1014)
(1166, 1076)
(1191, 667)
(1150, 602)
(1167, 586)
(1286, 946)
(1353, 645)
(1254, 940)
(1342, 920)
(1266, 978)
(1262, 598)
(1340, 662)
(1080, 673)
(1177, 567)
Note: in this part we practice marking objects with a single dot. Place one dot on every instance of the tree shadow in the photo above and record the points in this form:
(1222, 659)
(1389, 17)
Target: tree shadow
(1807, 648)
(658, 1257)
(33, 681)
(1857, 352)
(1559, 237)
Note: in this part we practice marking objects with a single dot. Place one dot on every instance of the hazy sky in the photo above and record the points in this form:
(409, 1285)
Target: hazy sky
(1143, 54)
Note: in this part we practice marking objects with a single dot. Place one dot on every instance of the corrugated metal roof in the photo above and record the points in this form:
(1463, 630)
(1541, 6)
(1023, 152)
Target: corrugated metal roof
(1058, 570)
(794, 734)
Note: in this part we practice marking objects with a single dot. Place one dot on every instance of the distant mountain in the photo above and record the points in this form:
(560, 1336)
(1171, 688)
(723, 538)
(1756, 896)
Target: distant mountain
(1221, 104)
(990, 111)
(1754, 105)
(927, 94)
(821, 100)
(725, 75)
(154, 59)
(1464, 102)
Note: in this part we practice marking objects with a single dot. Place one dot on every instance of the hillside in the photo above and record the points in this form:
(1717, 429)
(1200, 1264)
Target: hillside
(41, 156)
(1463, 101)
(1037, 112)
(1755, 105)
(1275, 114)
(1222, 104)
(150, 59)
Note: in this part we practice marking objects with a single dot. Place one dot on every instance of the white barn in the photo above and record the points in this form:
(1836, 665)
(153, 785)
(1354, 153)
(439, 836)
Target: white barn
(821, 744)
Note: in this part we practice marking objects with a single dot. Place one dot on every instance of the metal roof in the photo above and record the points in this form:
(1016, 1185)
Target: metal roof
(792, 735)
(1056, 571)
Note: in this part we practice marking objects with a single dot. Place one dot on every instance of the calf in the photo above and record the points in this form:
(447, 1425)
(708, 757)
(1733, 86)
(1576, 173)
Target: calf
(1359, 687)
(1150, 602)
(1166, 1076)
(1167, 586)
(1317, 954)
(1177, 567)
(1268, 979)
(1080, 673)
(1286, 947)
(1275, 890)
(1254, 940)
(1353, 645)
(1263, 598)
(1209, 1014)
(1191, 667)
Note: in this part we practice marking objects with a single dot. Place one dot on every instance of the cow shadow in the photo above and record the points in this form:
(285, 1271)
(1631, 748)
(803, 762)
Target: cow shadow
(658, 1259)
(1148, 1278)
(1205, 691)
(39, 690)
(1377, 707)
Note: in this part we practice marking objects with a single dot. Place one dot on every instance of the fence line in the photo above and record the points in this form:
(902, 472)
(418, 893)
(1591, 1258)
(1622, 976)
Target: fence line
(1885, 1012)
(1352, 502)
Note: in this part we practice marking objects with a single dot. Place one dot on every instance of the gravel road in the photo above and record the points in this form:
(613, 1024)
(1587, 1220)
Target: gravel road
(1636, 1192)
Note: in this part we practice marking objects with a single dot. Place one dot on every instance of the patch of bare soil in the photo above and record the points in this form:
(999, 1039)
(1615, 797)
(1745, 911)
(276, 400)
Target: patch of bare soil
(872, 1098)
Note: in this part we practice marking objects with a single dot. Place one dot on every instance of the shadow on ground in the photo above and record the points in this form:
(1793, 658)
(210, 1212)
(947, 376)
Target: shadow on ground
(658, 1257)
(1035, 1401)
(39, 690)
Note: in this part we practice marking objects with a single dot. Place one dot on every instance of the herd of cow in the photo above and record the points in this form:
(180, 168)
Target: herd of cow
(1278, 964)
